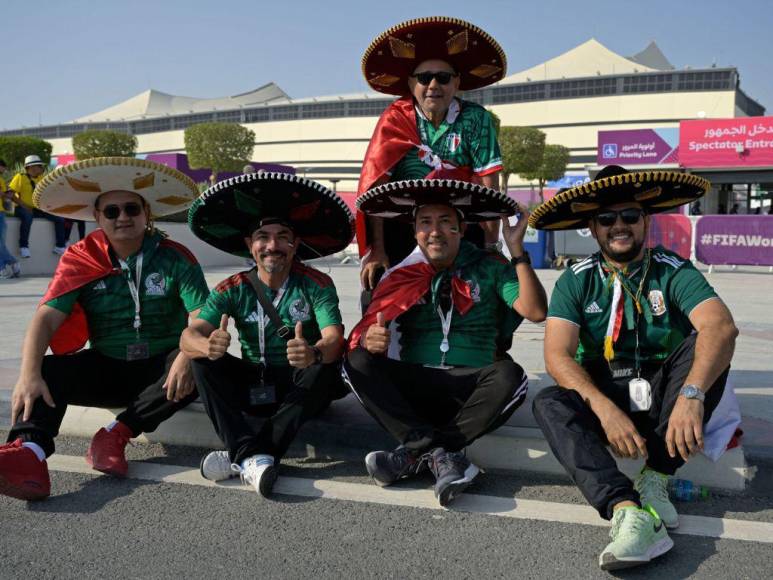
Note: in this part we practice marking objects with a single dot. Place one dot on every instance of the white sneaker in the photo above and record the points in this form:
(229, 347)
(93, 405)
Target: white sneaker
(653, 490)
(259, 472)
(16, 269)
(6, 273)
(217, 466)
(24, 252)
(59, 250)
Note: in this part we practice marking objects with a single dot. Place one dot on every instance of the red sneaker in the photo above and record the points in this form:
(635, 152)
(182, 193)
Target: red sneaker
(106, 452)
(22, 474)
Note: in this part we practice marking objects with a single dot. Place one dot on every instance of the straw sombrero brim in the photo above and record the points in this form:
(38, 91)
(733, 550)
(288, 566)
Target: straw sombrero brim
(400, 199)
(393, 56)
(231, 210)
(70, 191)
(656, 191)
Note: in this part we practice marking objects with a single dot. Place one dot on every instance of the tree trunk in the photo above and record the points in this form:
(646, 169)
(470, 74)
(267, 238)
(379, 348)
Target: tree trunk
(505, 177)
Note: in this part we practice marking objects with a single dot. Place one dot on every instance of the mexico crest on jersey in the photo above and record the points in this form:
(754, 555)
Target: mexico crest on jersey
(657, 302)
(454, 140)
(300, 311)
(155, 285)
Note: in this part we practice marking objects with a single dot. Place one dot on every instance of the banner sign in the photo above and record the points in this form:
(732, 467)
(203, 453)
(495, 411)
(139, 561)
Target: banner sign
(742, 142)
(744, 240)
(638, 147)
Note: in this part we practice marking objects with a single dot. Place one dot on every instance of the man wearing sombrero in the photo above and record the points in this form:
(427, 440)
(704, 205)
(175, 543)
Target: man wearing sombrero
(425, 62)
(129, 291)
(423, 360)
(640, 347)
(286, 315)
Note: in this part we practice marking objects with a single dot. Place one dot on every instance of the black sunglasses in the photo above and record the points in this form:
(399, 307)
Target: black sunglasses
(630, 216)
(112, 211)
(442, 77)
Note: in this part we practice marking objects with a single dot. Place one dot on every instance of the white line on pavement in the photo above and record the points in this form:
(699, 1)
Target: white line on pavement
(481, 504)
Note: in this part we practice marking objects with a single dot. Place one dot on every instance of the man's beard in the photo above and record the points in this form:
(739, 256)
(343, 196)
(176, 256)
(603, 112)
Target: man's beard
(273, 267)
(625, 256)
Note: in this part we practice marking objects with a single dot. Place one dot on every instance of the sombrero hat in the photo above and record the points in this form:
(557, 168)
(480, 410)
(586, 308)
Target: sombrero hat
(70, 190)
(400, 199)
(656, 191)
(393, 56)
(231, 210)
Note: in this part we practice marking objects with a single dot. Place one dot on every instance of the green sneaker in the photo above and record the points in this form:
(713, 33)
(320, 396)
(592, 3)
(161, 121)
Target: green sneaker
(653, 490)
(638, 535)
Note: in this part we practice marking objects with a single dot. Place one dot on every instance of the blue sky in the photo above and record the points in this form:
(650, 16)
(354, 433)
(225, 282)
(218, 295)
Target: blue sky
(67, 58)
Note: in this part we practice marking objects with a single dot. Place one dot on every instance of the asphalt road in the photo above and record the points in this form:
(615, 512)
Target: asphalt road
(95, 526)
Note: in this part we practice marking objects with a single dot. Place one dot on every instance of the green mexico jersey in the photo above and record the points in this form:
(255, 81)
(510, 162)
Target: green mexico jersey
(466, 138)
(472, 336)
(672, 289)
(309, 297)
(171, 285)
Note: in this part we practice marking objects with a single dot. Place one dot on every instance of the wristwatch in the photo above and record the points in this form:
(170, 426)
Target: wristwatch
(317, 354)
(522, 259)
(692, 392)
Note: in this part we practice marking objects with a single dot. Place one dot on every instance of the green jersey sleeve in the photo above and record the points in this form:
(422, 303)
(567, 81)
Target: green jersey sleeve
(508, 287)
(325, 305)
(193, 287)
(566, 299)
(484, 148)
(66, 302)
(218, 303)
(689, 288)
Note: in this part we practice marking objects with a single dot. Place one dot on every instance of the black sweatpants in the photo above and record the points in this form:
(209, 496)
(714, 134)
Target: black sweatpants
(301, 394)
(91, 379)
(425, 407)
(578, 441)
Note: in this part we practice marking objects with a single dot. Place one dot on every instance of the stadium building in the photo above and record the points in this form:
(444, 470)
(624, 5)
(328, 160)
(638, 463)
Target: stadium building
(572, 97)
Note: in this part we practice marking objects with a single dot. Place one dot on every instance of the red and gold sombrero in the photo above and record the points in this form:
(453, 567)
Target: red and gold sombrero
(393, 56)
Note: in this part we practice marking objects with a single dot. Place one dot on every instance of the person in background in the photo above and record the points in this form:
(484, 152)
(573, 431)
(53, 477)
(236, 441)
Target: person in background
(9, 265)
(23, 185)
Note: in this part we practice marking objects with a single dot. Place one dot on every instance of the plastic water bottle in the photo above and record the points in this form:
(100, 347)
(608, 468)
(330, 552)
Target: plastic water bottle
(685, 490)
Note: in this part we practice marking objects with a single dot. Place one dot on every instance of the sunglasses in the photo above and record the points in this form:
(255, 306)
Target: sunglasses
(112, 211)
(630, 216)
(442, 77)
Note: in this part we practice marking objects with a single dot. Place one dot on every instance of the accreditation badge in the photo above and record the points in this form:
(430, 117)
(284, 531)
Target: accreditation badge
(137, 351)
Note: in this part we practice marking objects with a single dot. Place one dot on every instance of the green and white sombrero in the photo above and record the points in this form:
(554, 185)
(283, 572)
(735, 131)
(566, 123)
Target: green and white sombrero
(393, 56)
(231, 210)
(70, 190)
(400, 199)
(656, 191)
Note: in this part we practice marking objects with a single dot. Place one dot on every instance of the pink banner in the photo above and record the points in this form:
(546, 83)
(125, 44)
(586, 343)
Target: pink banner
(673, 231)
(736, 239)
(742, 142)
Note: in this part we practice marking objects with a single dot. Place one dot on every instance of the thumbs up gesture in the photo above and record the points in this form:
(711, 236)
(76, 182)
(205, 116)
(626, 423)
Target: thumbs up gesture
(378, 336)
(299, 353)
(219, 340)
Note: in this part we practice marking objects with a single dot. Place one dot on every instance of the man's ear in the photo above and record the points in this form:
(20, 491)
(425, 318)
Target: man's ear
(592, 228)
(248, 243)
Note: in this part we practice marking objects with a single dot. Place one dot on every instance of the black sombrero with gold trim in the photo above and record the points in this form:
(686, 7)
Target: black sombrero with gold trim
(393, 56)
(231, 210)
(70, 190)
(656, 191)
(400, 199)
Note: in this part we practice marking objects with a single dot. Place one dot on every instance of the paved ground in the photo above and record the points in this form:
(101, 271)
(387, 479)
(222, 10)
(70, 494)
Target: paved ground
(327, 518)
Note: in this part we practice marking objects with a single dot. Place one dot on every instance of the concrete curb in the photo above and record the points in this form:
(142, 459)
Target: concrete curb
(346, 431)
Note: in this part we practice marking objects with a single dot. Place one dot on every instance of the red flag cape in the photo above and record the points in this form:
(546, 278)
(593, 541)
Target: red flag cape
(403, 286)
(395, 134)
(82, 263)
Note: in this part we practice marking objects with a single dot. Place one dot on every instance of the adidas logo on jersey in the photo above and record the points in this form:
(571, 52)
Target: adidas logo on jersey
(100, 285)
(593, 308)
(253, 317)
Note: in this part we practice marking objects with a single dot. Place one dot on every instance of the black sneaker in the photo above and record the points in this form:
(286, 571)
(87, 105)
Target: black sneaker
(386, 467)
(453, 473)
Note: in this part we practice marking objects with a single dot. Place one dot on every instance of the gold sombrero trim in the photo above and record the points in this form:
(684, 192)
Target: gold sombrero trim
(598, 185)
(432, 19)
(63, 170)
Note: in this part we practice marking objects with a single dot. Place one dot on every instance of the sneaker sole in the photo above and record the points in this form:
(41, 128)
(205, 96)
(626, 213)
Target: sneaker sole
(201, 471)
(107, 469)
(25, 494)
(267, 482)
(610, 562)
(372, 468)
(455, 488)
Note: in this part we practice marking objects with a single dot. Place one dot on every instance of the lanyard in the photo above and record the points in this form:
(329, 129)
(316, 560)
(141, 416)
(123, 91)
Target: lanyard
(133, 290)
(445, 323)
(263, 321)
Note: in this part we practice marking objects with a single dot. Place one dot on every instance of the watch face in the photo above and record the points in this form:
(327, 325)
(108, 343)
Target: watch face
(690, 391)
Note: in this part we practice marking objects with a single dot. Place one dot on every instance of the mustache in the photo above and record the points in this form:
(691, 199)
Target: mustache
(275, 254)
